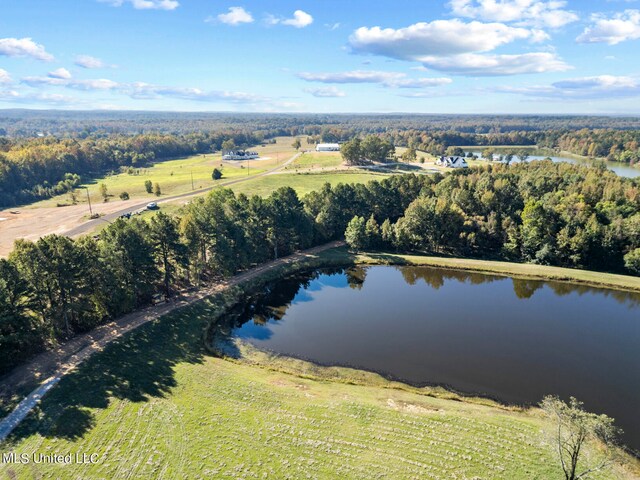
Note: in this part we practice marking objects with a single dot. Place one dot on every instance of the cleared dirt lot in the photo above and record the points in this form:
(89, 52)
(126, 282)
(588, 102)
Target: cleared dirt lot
(33, 223)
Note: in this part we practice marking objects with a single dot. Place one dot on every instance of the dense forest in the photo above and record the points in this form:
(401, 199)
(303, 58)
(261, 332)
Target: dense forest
(47, 153)
(555, 214)
(30, 123)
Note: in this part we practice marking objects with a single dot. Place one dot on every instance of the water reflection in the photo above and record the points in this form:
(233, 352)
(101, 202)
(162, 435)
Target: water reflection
(619, 168)
(508, 338)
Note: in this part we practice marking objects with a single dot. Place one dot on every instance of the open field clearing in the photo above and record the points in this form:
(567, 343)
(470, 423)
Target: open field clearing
(419, 153)
(156, 405)
(302, 183)
(317, 160)
(175, 176)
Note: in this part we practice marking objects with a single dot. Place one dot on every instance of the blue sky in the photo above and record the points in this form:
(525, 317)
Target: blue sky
(457, 56)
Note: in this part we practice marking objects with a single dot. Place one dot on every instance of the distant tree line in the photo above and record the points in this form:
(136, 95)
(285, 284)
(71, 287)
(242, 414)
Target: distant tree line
(79, 124)
(614, 145)
(546, 213)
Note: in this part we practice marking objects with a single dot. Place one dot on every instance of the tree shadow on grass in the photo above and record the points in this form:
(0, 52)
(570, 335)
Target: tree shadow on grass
(137, 367)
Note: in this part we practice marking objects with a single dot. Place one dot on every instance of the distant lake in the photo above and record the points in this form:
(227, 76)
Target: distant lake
(621, 169)
(511, 339)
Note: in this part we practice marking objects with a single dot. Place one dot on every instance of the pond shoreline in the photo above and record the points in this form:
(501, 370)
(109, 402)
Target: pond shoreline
(525, 271)
(240, 350)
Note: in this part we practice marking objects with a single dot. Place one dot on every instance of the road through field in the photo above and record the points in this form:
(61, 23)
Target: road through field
(33, 223)
(51, 366)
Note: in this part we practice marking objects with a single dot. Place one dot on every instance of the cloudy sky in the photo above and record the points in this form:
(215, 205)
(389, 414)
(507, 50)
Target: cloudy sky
(457, 56)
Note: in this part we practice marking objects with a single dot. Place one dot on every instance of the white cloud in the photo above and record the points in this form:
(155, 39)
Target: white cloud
(325, 92)
(5, 77)
(60, 73)
(387, 79)
(439, 38)
(14, 96)
(356, 76)
(146, 4)
(24, 47)
(91, 84)
(460, 48)
(549, 14)
(87, 61)
(496, 65)
(300, 19)
(142, 90)
(619, 28)
(583, 88)
(235, 16)
(95, 84)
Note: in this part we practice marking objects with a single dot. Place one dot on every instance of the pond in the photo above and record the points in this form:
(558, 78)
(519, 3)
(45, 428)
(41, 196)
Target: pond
(510, 339)
(621, 169)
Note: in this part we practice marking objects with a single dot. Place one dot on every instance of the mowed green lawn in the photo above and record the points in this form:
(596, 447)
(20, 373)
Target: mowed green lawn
(156, 405)
(175, 176)
(317, 160)
(302, 183)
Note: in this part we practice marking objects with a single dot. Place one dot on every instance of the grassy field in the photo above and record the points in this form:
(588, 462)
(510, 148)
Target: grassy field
(419, 153)
(156, 404)
(302, 183)
(317, 160)
(135, 406)
(175, 176)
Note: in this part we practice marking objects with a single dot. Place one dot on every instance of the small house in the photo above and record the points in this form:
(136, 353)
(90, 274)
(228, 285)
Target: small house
(452, 162)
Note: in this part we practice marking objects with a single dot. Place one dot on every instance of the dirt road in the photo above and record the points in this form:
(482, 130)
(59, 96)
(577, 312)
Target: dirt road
(48, 368)
(33, 223)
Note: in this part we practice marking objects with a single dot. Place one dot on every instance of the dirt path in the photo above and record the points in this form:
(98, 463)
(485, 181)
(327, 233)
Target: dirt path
(48, 368)
(33, 223)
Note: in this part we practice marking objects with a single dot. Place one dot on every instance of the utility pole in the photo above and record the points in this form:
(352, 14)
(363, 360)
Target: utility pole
(89, 200)
(247, 167)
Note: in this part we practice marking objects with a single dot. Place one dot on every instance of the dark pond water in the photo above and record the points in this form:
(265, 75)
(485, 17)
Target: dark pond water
(514, 340)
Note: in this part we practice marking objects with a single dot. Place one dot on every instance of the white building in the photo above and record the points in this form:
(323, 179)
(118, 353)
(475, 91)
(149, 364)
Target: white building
(452, 162)
(327, 147)
(239, 155)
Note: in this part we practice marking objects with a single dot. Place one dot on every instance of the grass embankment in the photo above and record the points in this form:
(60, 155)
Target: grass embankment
(521, 270)
(155, 404)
